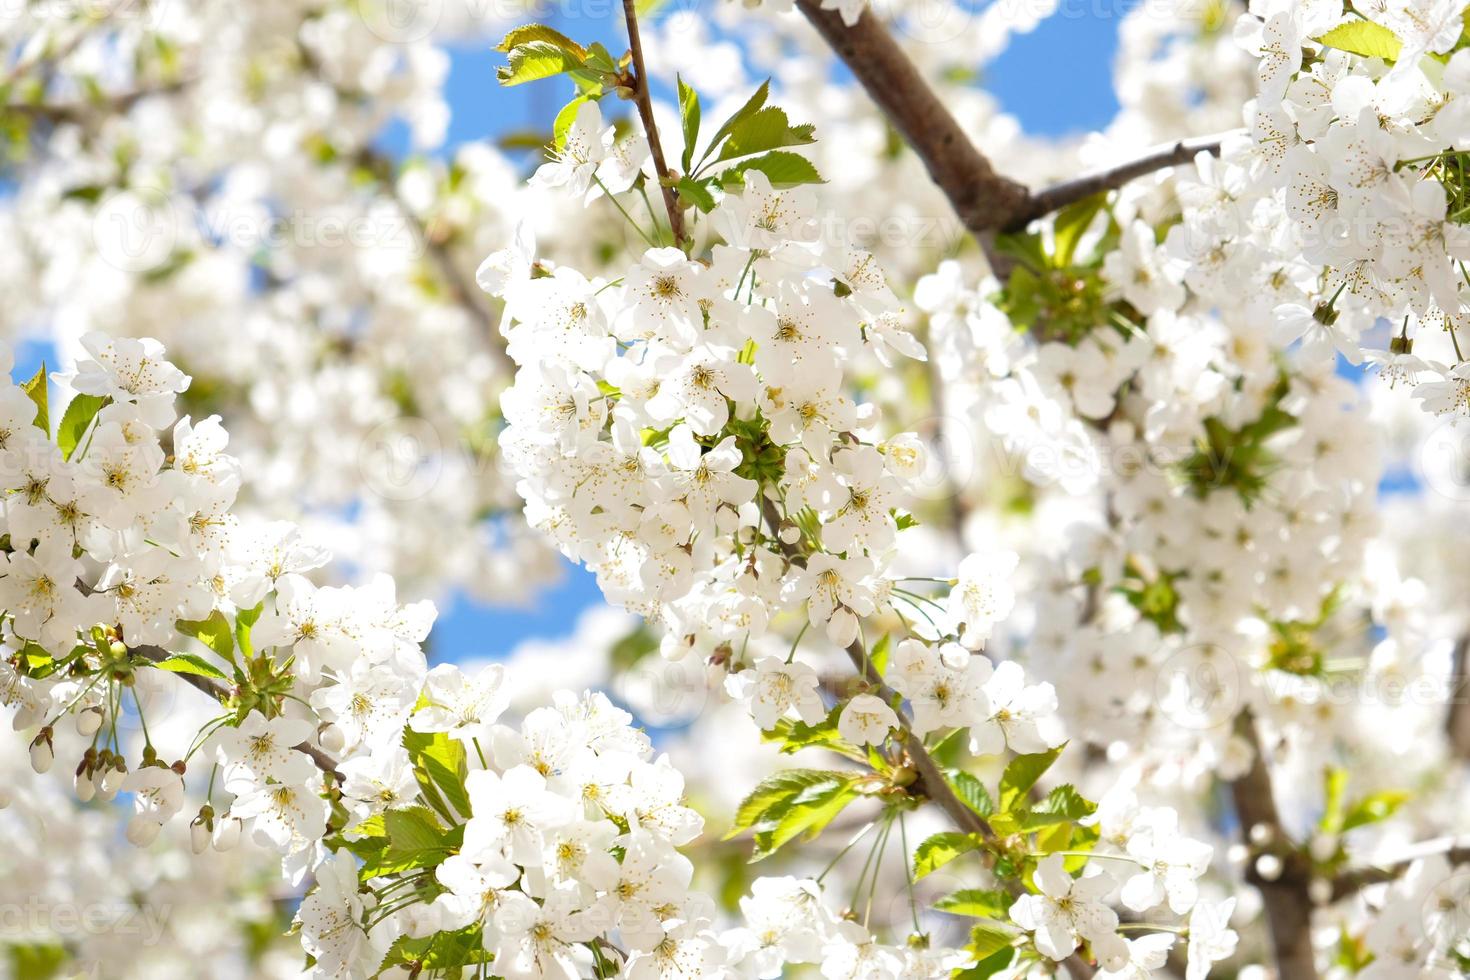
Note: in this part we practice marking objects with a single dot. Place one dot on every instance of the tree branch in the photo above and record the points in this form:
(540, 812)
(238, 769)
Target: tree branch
(1286, 897)
(644, 100)
(59, 112)
(1457, 719)
(221, 694)
(985, 201)
(931, 783)
(1456, 851)
(1058, 196)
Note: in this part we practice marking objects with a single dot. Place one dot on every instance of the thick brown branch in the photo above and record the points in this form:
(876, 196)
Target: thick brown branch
(984, 200)
(644, 99)
(1054, 198)
(1286, 897)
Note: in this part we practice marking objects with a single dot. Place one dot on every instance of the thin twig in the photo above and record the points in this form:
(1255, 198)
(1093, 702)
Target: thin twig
(1058, 196)
(985, 201)
(930, 783)
(1455, 850)
(221, 694)
(78, 111)
(644, 98)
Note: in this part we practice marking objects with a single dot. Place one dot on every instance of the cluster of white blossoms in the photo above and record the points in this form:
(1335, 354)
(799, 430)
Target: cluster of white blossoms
(1354, 159)
(686, 432)
(1186, 555)
(336, 746)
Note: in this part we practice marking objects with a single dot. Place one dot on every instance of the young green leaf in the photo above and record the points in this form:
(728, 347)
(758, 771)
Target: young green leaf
(76, 420)
(972, 792)
(1373, 808)
(214, 632)
(779, 789)
(1363, 37)
(689, 117)
(440, 766)
(188, 663)
(937, 851)
(977, 902)
(1071, 224)
(765, 129)
(536, 60)
(36, 389)
(1022, 774)
(752, 105)
(697, 192)
(782, 167)
(528, 33)
(564, 120)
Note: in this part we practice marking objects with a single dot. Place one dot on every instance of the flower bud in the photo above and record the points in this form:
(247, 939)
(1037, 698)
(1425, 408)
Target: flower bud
(227, 833)
(112, 780)
(42, 754)
(332, 740)
(85, 787)
(88, 721)
(143, 830)
(201, 829)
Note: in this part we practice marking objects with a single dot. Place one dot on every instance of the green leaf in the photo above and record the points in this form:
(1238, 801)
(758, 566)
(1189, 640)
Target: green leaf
(1334, 796)
(598, 59)
(762, 130)
(188, 663)
(777, 789)
(998, 941)
(1022, 774)
(76, 420)
(937, 851)
(244, 620)
(440, 766)
(752, 105)
(529, 33)
(1363, 37)
(36, 389)
(804, 815)
(878, 656)
(214, 632)
(1373, 808)
(536, 60)
(1063, 805)
(782, 167)
(1071, 223)
(697, 193)
(796, 735)
(980, 903)
(971, 792)
(412, 829)
(689, 117)
(564, 120)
